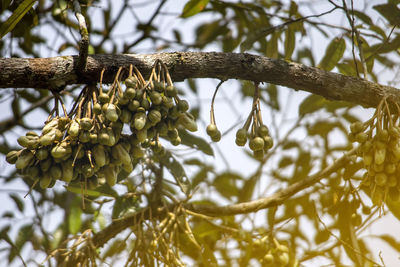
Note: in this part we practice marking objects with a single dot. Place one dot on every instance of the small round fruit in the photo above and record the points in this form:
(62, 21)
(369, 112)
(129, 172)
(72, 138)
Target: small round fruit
(212, 130)
(216, 137)
(257, 143)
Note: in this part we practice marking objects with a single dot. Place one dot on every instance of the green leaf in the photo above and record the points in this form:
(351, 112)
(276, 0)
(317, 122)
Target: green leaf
(24, 235)
(333, 54)
(193, 7)
(391, 12)
(115, 248)
(16, 16)
(18, 202)
(290, 42)
(74, 217)
(225, 184)
(177, 171)
(103, 190)
(311, 104)
(124, 205)
(191, 140)
(391, 241)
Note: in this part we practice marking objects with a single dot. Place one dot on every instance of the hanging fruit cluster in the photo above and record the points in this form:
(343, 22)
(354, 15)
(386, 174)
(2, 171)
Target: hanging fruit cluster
(253, 129)
(379, 140)
(88, 144)
(276, 254)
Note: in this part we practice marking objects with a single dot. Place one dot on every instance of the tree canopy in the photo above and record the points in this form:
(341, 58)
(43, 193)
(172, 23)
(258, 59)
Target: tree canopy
(199, 133)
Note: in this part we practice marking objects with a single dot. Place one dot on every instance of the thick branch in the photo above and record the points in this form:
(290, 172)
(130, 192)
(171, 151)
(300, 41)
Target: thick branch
(57, 72)
(274, 200)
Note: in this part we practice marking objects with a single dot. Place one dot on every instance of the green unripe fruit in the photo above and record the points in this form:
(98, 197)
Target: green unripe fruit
(241, 134)
(133, 105)
(216, 137)
(171, 91)
(383, 135)
(131, 81)
(23, 141)
(123, 100)
(25, 158)
(61, 150)
(145, 104)
(110, 175)
(141, 135)
(159, 86)
(51, 125)
(104, 98)
(45, 164)
(268, 259)
(357, 127)
(33, 172)
(183, 105)
(12, 156)
(62, 122)
(162, 128)
(394, 131)
(99, 155)
(392, 181)
(130, 93)
(257, 143)
(47, 139)
(263, 131)
(119, 152)
(368, 158)
(73, 129)
(367, 145)
(55, 172)
(155, 97)
(390, 168)
(67, 171)
(380, 155)
(173, 134)
(186, 121)
(168, 102)
(86, 124)
(268, 142)
(212, 130)
(45, 181)
(381, 179)
(42, 153)
(361, 137)
(177, 141)
(139, 120)
(156, 146)
(154, 116)
(111, 137)
(137, 152)
(93, 138)
(111, 113)
(84, 136)
(283, 259)
(97, 109)
(126, 116)
(240, 142)
(139, 94)
(394, 194)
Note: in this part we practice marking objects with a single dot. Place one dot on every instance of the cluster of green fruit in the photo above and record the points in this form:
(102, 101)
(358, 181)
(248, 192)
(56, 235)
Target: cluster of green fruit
(277, 254)
(89, 145)
(260, 139)
(379, 148)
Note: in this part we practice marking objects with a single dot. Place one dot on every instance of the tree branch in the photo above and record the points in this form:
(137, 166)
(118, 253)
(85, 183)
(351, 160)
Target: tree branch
(117, 226)
(57, 72)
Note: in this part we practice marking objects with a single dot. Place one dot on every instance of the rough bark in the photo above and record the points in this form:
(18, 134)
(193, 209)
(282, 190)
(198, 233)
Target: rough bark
(57, 72)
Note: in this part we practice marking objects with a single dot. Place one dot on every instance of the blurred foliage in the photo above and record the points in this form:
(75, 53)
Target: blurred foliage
(55, 227)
